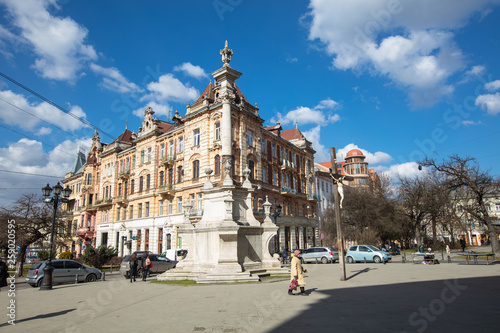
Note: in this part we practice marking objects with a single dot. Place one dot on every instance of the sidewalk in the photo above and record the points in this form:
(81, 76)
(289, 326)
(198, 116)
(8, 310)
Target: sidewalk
(395, 297)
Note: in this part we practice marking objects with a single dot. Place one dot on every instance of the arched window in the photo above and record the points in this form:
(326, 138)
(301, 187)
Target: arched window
(196, 169)
(217, 165)
(162, 175)
(252, 168)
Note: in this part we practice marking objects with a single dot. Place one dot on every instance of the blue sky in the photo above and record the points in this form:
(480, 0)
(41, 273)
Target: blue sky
(397, 79)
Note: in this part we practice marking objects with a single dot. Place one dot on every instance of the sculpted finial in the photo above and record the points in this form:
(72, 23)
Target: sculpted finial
(226, 54)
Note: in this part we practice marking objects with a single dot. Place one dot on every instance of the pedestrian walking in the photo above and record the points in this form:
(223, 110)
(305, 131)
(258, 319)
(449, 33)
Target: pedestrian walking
(146, 265)
(462, 244)
(133, 267)
(284, 255)
(297, 274)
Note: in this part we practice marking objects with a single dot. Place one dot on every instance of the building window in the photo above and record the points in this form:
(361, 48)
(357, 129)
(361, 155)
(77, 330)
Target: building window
(140, 210)
(264, 174)
(148, 182)
(142, 157)
(162, 175)
(170, 203)
(179, 205)
(131, 215)
(147, 209)
(196, 137)
(162, 150)
(179, 174)
(118, 214)
(217, 165)
(200, 204)
(275, 180)
(252, 168)
(181, 144)
(149, 154)
(169, 241)
(274, 149)
(120, 189)
(141, 183)
(263, 144)
(217, 131)
(132, 186)
(161, 207)
(171, 149)
(196, 169)
(133, 161)
(250, 138)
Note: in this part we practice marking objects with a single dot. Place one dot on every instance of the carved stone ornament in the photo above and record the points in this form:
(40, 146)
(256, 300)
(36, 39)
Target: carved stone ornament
(227, 96)
(246, 173)
(226, 54)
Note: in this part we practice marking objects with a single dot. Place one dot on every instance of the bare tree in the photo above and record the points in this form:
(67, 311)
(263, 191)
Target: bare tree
(33, 221)
(464, 174)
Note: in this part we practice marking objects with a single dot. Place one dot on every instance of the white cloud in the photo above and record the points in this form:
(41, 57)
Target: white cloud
(471, 123)
(114, 80)
(492, 86)
(412, 43)
(371, 158)
(322, 153)
(169, 88)
(44, 131)
(191, 70)
(28, 156)
(305, 115)
(58, 43)
(160, 109)
(408, 170)
(42, 111)
(490, 103)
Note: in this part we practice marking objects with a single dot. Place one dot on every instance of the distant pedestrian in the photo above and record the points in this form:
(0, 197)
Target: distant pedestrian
(146, 265)
(133, 267)
(296, 272)
(462, 244)
(284, 255)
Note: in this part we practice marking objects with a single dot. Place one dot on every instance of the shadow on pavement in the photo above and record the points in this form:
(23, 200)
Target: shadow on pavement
(456, 305)
(366, 270)
(41, 316)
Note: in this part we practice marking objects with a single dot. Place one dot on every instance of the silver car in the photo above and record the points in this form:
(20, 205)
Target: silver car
(64, 271)
(320, 254)
(160, 264)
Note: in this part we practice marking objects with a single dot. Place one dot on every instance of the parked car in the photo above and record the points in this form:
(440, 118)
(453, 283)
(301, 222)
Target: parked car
(359, 253)
(64, 271)
(160, 264)
(317, 254)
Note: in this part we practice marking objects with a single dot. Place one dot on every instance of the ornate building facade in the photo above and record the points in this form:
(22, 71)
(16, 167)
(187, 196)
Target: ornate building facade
(136, 192)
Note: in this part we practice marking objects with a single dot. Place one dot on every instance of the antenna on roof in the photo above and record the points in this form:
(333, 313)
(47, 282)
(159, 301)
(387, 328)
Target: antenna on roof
(296, 126)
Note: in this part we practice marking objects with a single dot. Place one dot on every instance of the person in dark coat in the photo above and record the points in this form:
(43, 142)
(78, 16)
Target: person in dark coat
(133, 267)
(462, 244)
(146, 264)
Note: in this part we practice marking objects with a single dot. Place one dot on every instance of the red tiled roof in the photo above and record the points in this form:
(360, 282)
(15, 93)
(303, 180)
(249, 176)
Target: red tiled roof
(126, 136)
(326, 164)
(164, 127)
(205, 92)
(239, 93)
(291, 134)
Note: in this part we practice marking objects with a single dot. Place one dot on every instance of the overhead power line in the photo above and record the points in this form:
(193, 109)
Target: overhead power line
(54, 104)
(30, 174)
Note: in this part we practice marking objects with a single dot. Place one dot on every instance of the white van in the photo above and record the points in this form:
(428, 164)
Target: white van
(175, 254)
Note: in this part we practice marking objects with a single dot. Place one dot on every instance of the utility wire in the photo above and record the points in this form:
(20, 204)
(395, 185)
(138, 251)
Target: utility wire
(54, 104)
(30, 174)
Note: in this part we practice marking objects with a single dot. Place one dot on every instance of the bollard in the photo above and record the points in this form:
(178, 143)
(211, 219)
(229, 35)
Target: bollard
(403, 258)
(364, 258)
(76, 278)
(104, 276)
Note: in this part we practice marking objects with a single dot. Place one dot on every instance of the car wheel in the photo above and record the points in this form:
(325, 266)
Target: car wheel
(324, 260)
(33, 285)
(139, 273)
(38, 284)
(91, 278)
(350, 260)
(377, 259)
(334, 261)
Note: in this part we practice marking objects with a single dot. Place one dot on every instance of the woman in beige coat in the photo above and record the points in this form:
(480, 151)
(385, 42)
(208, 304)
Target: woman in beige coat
(296, 272)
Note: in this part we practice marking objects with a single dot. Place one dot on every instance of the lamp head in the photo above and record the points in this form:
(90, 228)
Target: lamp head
(46, 190)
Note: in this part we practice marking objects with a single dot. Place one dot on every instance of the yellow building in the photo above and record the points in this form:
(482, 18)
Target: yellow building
(134, 193)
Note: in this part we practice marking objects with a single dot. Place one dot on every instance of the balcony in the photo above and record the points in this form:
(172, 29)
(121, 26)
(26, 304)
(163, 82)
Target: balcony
(167, 160)
(85, 232)
(103, 202)
(288, 192)
(313, 197)
(287, 165)
(167, 189)
(89, 207)
(121, 200)
(124, 174)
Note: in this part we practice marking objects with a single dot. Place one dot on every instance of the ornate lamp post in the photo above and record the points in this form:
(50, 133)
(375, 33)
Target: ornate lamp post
(47, 190)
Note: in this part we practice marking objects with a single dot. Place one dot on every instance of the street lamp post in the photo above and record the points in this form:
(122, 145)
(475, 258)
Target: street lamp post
(66, 192)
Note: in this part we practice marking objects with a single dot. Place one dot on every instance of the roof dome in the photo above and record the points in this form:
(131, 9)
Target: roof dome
(354, 152)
